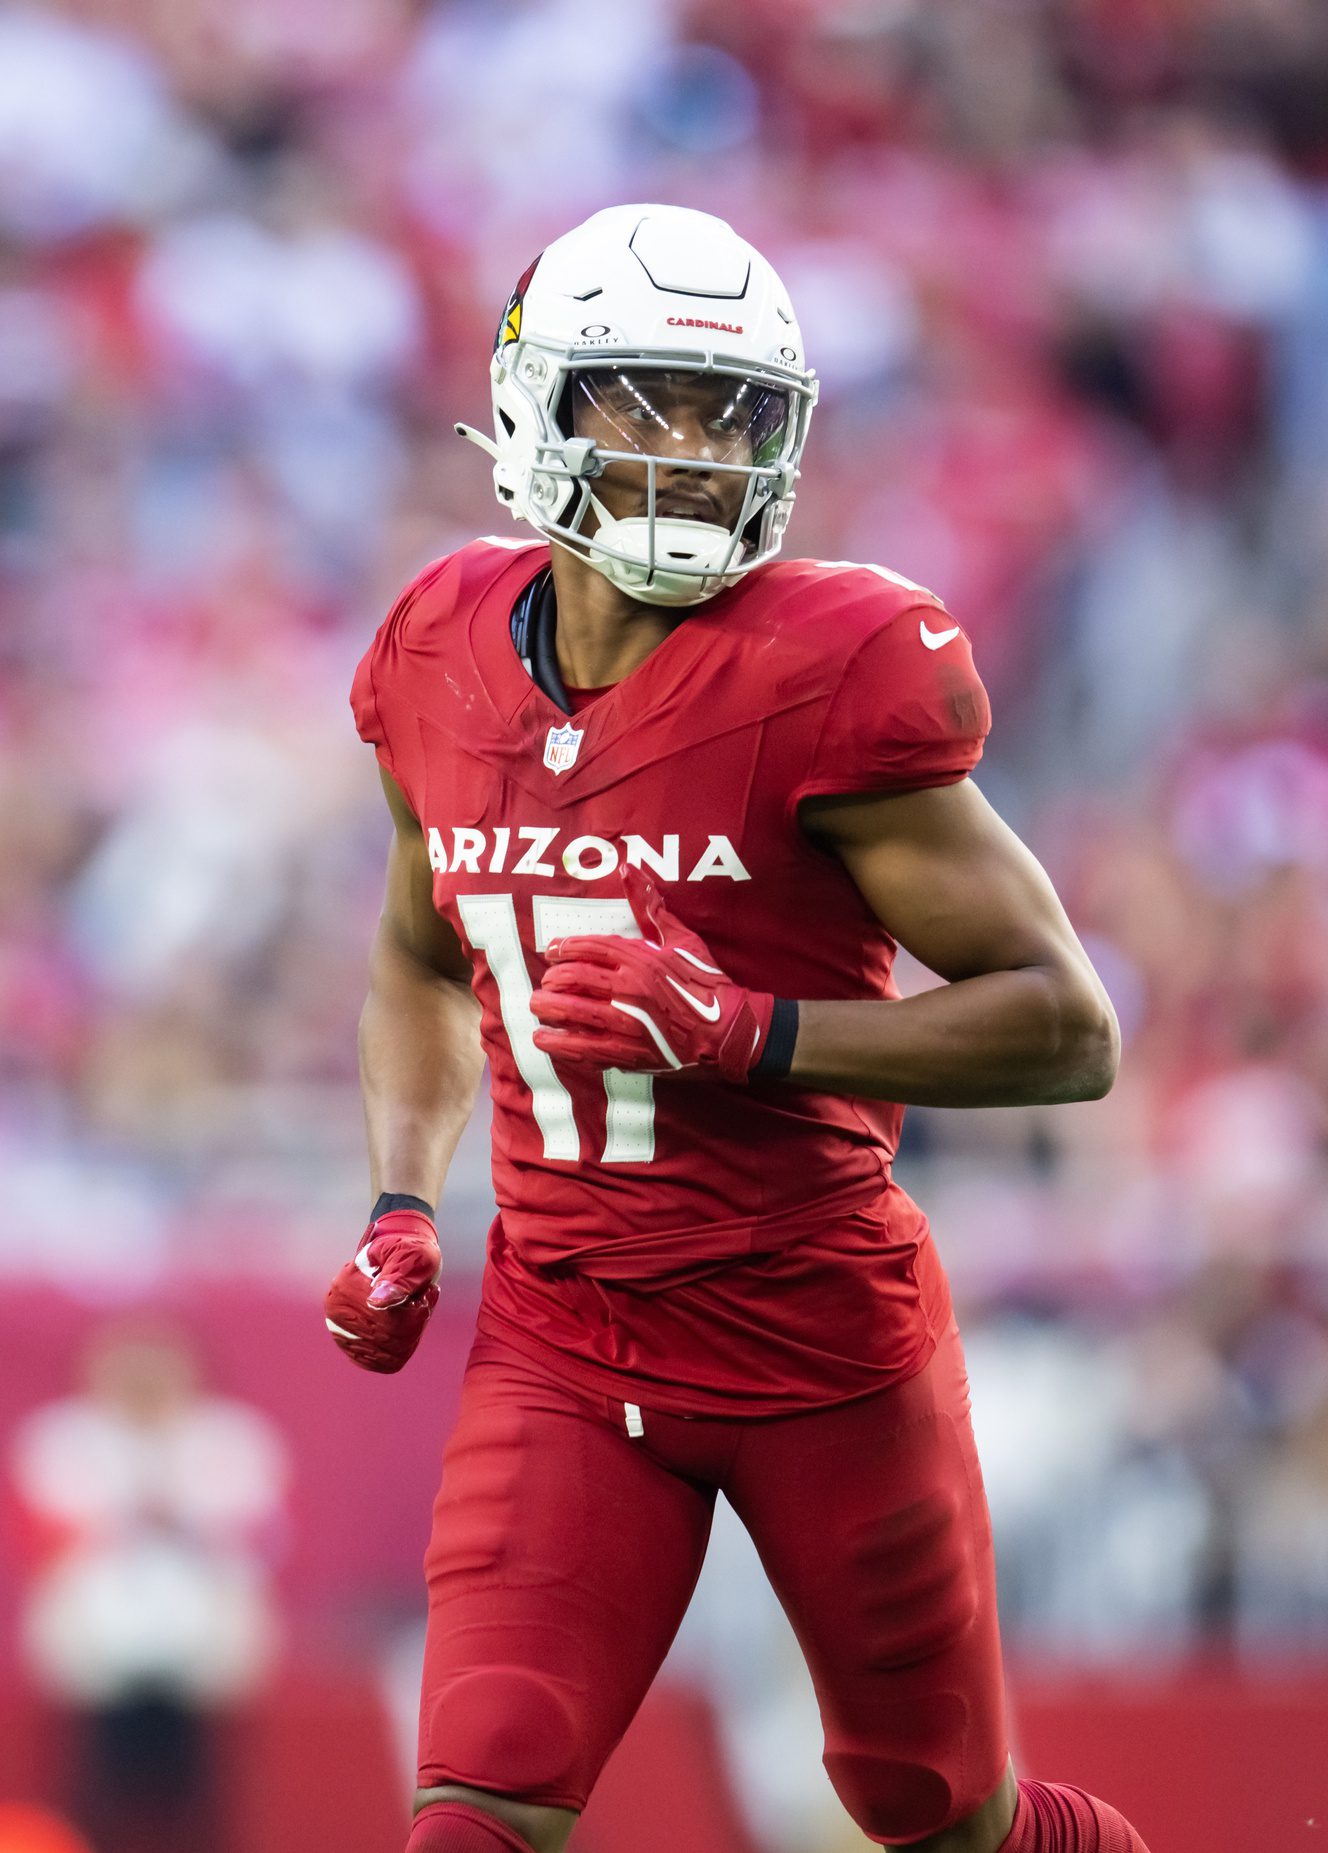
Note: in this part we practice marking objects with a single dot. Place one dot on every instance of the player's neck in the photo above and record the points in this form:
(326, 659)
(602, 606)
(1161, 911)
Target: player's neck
(603, 635)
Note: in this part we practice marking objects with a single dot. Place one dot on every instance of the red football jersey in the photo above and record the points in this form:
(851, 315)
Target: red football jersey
(710, 1246)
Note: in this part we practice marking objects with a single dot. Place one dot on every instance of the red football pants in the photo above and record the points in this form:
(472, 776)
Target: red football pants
(565, 1549)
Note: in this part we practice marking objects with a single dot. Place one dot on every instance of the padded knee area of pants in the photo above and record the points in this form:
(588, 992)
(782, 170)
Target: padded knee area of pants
(504, 1728)
(892, 1800)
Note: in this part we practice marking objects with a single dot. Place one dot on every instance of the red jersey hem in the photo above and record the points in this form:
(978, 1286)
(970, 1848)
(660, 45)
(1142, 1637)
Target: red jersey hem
(580, 1373)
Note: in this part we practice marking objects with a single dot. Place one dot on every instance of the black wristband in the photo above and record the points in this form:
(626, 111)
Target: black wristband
(776, 1058)
(399, 1200)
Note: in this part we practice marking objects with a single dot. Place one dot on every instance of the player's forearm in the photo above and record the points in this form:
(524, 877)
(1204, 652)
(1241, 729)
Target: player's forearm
(420, 1069)
(1016, 1038)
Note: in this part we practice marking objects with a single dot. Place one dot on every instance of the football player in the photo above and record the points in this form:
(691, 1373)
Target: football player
(665, 807)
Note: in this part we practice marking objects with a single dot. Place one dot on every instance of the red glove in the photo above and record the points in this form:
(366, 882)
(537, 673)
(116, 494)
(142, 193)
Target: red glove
(379, 1304)
(654, 1005)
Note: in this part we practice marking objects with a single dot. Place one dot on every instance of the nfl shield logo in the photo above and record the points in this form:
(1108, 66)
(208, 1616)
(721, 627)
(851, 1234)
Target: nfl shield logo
(562, 746)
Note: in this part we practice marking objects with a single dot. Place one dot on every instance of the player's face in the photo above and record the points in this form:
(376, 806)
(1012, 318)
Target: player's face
(704, 418)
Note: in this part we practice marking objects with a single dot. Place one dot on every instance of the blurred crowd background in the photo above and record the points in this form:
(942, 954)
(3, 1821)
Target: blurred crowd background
(1063, 268)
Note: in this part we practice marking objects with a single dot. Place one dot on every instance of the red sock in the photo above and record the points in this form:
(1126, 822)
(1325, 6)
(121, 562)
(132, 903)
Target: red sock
(1052, 1818)
(454, 1827)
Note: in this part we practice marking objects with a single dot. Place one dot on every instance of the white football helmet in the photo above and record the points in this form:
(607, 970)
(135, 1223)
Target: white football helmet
(619, 323)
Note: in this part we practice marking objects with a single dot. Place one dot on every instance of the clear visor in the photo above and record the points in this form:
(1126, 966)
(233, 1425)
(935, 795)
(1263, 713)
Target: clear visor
(713, 417)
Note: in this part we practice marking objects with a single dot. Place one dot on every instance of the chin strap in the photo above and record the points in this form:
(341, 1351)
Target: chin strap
(621, 548)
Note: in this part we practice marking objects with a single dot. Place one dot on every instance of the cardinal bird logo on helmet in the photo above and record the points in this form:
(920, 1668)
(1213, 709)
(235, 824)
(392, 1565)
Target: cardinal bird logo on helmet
(509, 328)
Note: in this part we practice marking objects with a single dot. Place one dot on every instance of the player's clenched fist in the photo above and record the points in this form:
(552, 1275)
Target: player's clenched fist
(654, 1005)
(379, 1304)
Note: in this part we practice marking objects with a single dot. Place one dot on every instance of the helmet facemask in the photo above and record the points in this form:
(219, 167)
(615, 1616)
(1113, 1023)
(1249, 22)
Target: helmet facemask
(685, 464)
(672, 480)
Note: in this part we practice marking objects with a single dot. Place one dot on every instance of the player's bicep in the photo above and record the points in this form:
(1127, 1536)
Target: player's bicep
(950, 881)
(411, 923)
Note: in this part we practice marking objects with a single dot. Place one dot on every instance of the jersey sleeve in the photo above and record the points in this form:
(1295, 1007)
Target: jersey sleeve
(909, 711)
(364, 703)
(383, 716)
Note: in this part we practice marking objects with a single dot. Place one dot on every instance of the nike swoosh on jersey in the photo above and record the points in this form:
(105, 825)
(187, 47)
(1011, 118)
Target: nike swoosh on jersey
(934, 639)
(709, 1011)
